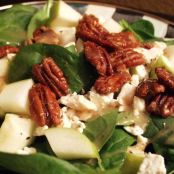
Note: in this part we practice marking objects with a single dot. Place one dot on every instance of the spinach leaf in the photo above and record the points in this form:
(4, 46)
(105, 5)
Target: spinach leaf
(113, 153)
(14, 22)
(161, 133)
(74, 68)
(101, 129)
(143, 30)
(40, 18)
(36, 164)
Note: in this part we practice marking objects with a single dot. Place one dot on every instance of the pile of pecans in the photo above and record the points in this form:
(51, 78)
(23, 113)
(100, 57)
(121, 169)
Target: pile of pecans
(110, 53)
(158, 94)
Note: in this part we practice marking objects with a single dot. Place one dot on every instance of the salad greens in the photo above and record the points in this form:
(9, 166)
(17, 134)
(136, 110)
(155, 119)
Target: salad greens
(106, 131)
(14, 30)
(161, 133)
(40, 18)
(75, 68)
(143, 30)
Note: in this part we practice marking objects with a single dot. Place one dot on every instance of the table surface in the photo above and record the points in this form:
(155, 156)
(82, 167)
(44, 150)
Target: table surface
(162, 8)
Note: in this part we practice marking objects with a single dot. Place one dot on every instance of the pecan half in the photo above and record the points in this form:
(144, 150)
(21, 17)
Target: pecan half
(162, 105)
(127, 57)
(113, 83)
(4, 50)
(98, 57)
(165, 78)
(44, 35)
(44, 107)
(90, 29)
(121, 40)
(48, 73)
(149, 88)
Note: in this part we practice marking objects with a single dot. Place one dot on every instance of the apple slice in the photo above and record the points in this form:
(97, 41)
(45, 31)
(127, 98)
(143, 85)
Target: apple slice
(63, 15)
(132, 162)
(68, 143)
(15, 133)
(14, 97)
(164, 62)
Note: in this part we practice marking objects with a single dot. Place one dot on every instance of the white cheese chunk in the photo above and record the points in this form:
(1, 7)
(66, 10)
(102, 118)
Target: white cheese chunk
(125, 96)
(152, 164)
(102, 12)
(77, 102)
(14, 97)
(159, 26)
(134, 130)
(138, 105)
(141, 71)
(112, 26)
(150, 54)
(27, 151)
(101, 101)
(70, 120)
(15, 133)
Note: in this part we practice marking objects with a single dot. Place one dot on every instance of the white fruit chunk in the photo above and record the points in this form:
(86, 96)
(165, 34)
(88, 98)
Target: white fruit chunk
(169, 53)
(15, 133)
(159, 26)
(64, 15)
(14, 97)
(102, 12)
(68, 143)
(66, 34)
(4, 65)
(112, 26)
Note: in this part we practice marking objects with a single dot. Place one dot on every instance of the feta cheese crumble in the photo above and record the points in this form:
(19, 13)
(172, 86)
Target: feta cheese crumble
(152, 164)
(154, 52)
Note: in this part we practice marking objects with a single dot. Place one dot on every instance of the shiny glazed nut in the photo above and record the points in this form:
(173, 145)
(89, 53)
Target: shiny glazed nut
(165, 77)
(44, 35)
(113, 83)
(149, 88)
(98, 57)
(90, 29)
(49, 74)
(4, 50)
(44, 108)
(162, 105)
(127, 57)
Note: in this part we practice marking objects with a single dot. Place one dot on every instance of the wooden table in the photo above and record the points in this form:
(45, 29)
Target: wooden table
(162, 8)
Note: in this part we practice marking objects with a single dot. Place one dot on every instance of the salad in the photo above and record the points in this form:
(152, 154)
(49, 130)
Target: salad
(83, 93)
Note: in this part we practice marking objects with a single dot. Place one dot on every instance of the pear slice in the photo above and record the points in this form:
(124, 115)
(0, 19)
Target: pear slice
(132, 163)
(63, 15)
(14, 97)
(68, 143)
(15, 133)
(163, 62)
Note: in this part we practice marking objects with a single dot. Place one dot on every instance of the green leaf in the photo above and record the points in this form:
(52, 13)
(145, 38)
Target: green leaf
(74, 68)
(113, 153)
(36, 164)
(143, 30)
(101, 129)
(161, 133)
(40, 18)
(14, 22)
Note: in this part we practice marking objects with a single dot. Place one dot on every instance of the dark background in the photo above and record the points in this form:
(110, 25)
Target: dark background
(162, 8)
